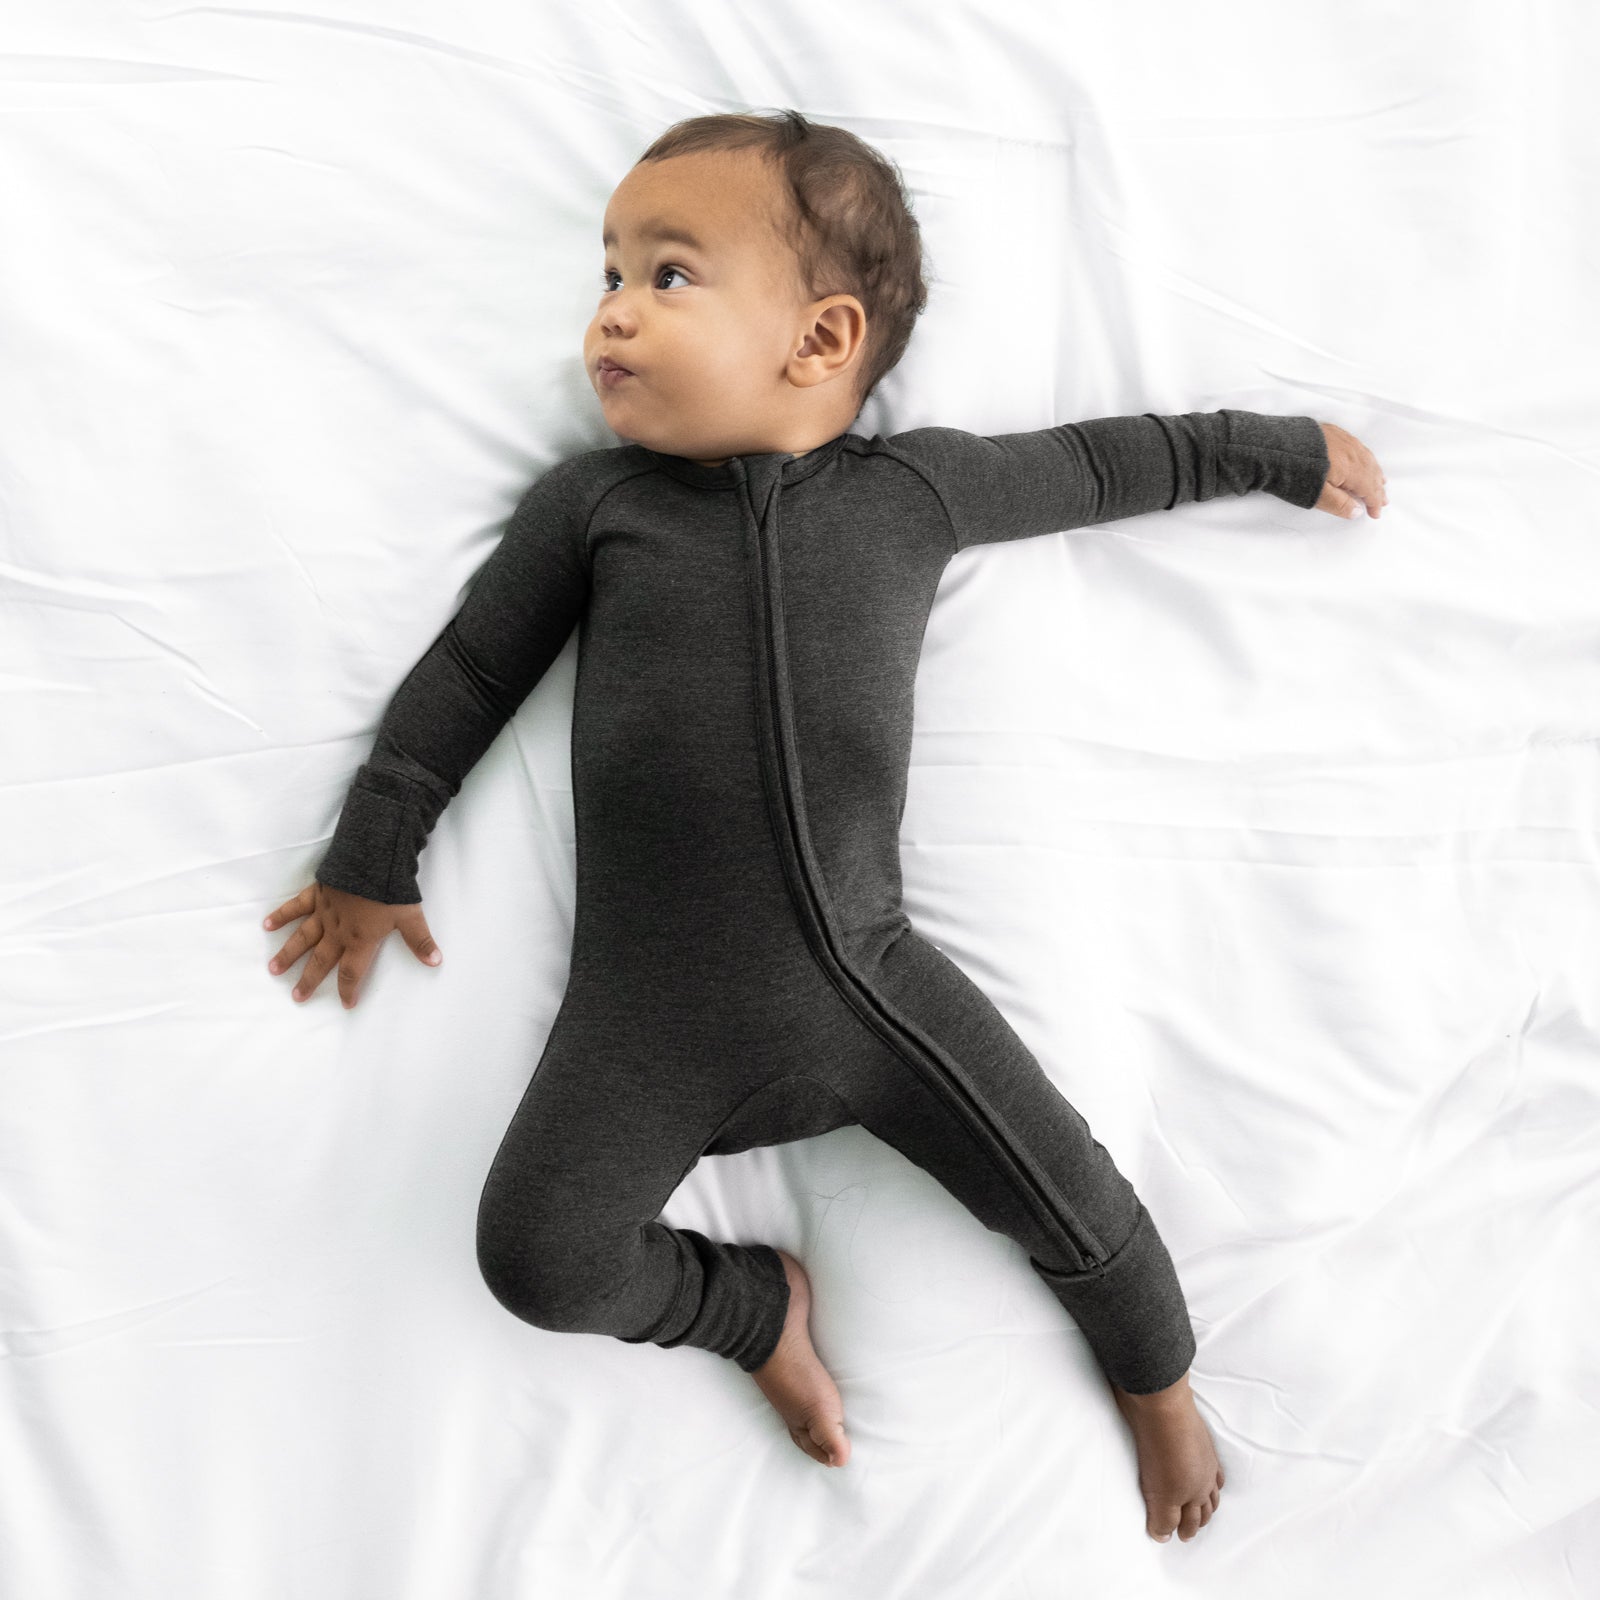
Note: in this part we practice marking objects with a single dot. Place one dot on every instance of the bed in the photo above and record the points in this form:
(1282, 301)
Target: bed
(1274, 836)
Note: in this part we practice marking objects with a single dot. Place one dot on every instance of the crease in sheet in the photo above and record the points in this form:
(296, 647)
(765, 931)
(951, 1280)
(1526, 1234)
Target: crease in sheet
(29, 1343)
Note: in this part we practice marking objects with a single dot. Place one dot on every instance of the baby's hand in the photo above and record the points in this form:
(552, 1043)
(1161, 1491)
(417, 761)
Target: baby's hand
(1354, 476)
(344, 930)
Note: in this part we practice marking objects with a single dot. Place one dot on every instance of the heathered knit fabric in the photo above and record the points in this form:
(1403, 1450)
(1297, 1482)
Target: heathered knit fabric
(742, 971)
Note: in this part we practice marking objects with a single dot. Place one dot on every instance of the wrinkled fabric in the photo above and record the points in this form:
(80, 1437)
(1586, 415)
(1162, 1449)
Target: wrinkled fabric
(1272, 836)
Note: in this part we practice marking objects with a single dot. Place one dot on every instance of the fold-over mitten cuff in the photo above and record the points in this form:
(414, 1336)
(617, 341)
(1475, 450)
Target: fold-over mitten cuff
(1286, 456)
(368, 850)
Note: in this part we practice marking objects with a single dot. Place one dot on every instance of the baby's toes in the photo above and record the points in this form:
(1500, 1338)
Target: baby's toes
(809, 1445)
(1192, 1521)
(1160, 1520)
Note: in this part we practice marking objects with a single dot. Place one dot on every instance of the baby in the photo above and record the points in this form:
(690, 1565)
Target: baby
(751, 583)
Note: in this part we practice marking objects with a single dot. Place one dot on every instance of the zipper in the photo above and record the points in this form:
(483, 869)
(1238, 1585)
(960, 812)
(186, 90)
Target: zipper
(786, 809)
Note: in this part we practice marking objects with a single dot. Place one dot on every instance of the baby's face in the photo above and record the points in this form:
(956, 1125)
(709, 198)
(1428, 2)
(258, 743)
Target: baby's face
(706, 324)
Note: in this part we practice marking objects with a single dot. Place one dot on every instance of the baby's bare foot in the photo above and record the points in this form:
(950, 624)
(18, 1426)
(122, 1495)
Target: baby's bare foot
(797, 1383)
(1179, 1474)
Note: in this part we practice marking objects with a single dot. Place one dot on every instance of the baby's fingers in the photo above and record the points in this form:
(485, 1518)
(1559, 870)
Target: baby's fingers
(317, 968)
(1382, 490)
(413, 928)
(290, 909)
(1338, 502)
(307, 934)
(353, 964)
(349, 960)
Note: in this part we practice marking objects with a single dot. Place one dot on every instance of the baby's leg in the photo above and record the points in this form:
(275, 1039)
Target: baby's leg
(963, 1098)
(569, 1235)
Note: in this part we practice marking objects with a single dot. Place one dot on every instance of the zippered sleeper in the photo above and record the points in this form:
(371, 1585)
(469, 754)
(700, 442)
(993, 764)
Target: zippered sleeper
(742, 970)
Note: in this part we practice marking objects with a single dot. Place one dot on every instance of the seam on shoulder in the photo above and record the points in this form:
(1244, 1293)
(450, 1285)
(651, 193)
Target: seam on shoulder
(599, 500)
(950, 522)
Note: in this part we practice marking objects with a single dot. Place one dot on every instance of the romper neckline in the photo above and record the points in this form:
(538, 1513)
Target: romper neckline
(726, 476)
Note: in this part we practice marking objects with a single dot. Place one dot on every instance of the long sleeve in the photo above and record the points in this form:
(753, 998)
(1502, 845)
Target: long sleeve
(518, 614)
(1015, 485)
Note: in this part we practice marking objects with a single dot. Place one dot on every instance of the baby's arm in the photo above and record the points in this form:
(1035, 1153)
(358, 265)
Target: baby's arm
(1014, 485)
(519, 612)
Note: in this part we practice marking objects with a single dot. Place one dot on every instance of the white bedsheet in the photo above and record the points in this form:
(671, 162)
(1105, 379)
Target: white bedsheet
(1274, 836)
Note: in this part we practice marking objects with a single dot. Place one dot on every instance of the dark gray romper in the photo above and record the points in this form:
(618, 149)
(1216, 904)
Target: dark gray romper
(742, 972)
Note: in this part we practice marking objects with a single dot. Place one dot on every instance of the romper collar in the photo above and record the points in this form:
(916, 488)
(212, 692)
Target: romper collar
(788, 468)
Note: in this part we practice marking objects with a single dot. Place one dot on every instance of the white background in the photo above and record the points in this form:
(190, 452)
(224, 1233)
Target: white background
(1274, 836)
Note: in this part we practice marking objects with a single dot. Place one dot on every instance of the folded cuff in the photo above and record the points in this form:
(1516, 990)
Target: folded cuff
(1285, 456)
(1132, 1311)
(732, 1299)
(767, 1328)
(367, 853)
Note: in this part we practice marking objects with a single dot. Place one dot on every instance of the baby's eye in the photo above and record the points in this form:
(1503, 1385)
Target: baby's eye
(609, 273)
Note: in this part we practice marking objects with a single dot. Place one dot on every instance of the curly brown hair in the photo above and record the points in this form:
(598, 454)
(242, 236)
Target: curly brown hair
(849, 221)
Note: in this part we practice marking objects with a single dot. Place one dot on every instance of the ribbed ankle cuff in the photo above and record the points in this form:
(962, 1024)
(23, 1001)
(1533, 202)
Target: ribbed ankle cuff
(768, 1329)
(1132, 1311)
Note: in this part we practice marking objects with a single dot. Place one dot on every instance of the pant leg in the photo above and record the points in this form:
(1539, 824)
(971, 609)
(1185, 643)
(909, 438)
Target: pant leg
(962, 1097)
(569, 1230)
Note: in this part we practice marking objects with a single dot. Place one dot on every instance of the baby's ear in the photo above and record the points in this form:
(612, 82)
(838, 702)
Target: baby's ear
(839, 331)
